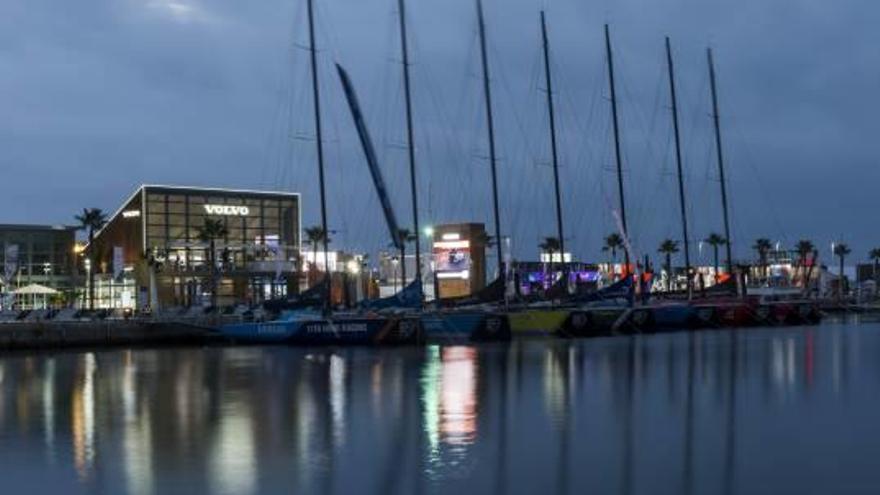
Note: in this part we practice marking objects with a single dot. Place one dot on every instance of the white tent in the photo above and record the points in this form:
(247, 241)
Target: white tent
(34, 290)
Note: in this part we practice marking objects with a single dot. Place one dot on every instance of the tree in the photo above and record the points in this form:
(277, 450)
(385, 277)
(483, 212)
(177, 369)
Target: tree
(716, 241)
(612, 243)
(763, 247)
(209, 233)
(841, 250)
(92, 220)
(668, 247)
(874, 255)
(550, 245)
(804, 247)
(404, 236)
(315, 236)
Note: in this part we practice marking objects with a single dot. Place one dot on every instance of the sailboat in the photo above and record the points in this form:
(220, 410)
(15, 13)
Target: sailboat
(754, 307)
(309, 326)
(547, 318)
(472, 318)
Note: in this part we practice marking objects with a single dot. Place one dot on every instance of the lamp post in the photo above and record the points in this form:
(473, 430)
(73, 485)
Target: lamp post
(88, 265)
(394, 263)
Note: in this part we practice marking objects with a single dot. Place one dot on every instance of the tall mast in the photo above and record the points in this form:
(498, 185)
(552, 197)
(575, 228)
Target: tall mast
(555, 154)
(409, 141)
(615, 120)
(490, 125)
(678, 162)
(316, 97)
(720, 153)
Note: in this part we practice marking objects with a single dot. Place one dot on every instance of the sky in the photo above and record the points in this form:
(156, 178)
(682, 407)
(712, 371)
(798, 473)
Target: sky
(99, 96)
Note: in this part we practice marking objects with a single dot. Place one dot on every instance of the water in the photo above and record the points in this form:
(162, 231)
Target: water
(754, 411)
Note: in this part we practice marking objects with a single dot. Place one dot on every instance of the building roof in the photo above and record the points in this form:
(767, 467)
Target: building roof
(216, 189)
(35, 227)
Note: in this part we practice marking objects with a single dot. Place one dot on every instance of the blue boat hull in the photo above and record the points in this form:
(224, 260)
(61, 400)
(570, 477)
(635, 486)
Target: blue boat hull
(327, 331)
(465, 326)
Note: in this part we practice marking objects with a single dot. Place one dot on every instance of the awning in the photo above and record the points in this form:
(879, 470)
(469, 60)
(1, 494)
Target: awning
(35, 290)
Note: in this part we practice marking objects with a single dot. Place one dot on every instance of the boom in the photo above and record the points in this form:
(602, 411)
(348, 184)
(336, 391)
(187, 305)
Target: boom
(370, 154)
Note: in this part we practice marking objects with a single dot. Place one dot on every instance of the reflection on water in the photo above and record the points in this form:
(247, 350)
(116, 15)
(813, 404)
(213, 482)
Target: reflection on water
(753, 411)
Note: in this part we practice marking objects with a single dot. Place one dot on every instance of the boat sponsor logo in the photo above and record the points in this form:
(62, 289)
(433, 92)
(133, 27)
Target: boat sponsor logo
(493, 324)
(407, 328)
(640, 317)
(270, 329)
(326, 327)
(705, 314)
(227, 210)
(579, 320)
(763, 312)
(433, 324)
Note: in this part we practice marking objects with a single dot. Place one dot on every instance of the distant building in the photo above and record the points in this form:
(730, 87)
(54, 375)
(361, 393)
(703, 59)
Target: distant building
(39, 254)
(867, 272)
(151, 253)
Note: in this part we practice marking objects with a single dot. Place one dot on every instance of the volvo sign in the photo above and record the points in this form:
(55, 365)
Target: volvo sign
(227, 210)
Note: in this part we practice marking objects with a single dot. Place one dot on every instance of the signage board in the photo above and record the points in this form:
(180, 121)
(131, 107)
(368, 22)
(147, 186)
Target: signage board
(452, 256)
(227, 210)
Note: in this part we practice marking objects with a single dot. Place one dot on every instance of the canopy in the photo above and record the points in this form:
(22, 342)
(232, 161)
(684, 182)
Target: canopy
(35, 290)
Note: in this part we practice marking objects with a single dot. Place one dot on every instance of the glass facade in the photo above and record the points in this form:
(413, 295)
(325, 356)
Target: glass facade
(158, 234)
(37, 254)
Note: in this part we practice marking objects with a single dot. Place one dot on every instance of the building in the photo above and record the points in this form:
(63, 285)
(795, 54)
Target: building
(459, 259)
(39, 254)
(154, 251)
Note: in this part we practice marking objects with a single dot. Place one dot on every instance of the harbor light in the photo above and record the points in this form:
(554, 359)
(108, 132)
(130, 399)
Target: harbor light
(354, 267)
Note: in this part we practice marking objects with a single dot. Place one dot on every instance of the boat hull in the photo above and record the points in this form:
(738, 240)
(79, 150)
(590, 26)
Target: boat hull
(538, 322)
(465, 326)
(328, 331)
(594, 321)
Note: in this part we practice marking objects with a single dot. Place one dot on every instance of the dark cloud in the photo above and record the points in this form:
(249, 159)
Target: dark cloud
(99, 96)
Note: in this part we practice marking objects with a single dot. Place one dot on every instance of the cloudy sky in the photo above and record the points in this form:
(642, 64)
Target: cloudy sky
(98, 96)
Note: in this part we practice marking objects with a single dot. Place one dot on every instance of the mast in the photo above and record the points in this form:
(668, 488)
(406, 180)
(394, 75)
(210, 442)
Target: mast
(720, 153)
(553, 140)
(316, 96)
(490, 125)
(678, 161)
(615, 120)
(409, 143)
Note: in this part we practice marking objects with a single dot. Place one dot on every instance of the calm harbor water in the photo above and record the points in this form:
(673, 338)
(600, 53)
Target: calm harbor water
(750, 411)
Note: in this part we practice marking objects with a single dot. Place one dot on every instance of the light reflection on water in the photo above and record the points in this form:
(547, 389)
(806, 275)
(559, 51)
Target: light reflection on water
(754, 411)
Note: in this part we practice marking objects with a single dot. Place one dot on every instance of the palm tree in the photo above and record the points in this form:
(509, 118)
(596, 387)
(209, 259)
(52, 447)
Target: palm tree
(804, 247)
(210, 232)
(763, 247)
(716, 241)
(92, 220)
(404, 236)
(315, 236)
(841, 250)
(668, 247)
(612, 243)
(550, 245)
(874, 255)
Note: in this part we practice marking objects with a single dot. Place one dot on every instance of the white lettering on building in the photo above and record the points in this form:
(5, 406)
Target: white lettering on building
(227, 210)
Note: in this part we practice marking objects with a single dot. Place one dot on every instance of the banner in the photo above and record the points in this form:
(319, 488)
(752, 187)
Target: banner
(118, 262)
(10, 266)
(279, 262)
